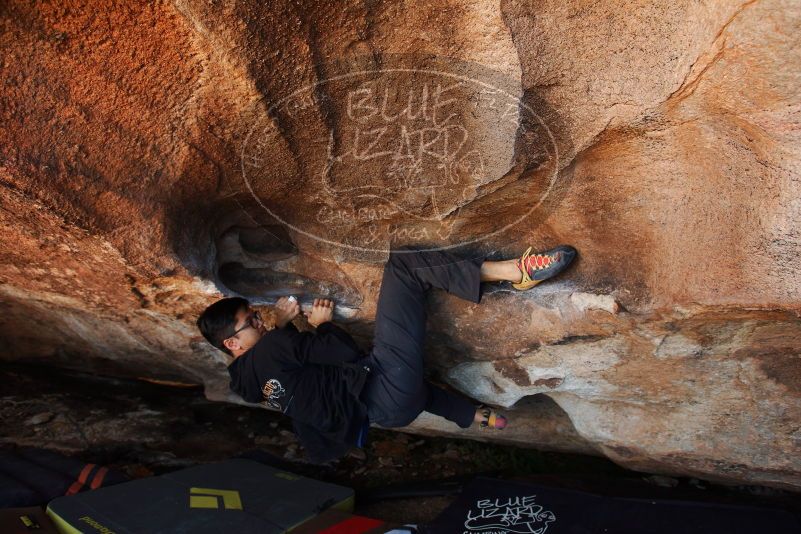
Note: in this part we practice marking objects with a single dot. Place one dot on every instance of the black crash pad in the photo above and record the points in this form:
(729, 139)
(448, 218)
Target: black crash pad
(491, 506)
(231, 496)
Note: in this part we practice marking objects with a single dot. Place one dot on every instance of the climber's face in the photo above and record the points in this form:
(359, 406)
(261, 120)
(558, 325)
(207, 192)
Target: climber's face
(248, 330)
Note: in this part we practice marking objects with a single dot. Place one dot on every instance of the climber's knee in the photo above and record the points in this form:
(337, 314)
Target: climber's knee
(399, 257)
(404, 412)
(402, 258)
(402, 419)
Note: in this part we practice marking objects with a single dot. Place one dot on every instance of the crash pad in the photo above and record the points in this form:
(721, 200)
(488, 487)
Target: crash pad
(232, 496)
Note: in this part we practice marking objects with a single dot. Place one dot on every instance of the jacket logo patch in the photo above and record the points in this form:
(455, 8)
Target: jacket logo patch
(272, 391)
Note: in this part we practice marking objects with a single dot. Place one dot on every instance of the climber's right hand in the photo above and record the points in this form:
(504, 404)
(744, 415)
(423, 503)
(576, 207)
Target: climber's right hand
(322, 311)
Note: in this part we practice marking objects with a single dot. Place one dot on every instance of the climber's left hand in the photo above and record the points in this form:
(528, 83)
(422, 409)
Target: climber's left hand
(285, 311)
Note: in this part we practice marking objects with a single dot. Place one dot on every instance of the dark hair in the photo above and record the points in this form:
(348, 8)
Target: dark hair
(217, 322)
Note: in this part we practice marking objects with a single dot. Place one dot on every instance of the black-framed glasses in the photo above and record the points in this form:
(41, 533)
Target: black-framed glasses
(252, 320)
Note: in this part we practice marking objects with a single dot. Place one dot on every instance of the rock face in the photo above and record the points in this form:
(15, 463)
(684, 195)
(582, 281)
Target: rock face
(154, 157)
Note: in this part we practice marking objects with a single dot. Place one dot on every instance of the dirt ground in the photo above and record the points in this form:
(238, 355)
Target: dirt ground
(143, 429)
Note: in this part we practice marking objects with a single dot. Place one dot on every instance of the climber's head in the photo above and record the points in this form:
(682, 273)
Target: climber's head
(231, 325)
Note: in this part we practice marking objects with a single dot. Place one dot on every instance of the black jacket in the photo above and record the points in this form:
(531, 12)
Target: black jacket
(315, 379)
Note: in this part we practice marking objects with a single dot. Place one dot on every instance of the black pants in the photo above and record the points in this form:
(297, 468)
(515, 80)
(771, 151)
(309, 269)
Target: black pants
(396, 391)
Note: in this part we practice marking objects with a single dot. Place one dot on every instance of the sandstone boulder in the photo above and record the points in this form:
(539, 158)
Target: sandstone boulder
(156, 156)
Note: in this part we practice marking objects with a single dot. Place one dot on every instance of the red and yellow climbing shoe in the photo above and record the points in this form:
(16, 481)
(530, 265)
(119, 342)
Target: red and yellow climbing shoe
(543, 265)
(492, 419)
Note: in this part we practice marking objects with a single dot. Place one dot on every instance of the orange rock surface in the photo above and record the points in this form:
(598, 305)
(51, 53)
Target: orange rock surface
(154, 157)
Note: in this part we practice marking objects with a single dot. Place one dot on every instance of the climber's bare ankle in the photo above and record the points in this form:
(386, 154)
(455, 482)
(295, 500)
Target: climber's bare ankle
(477, 417)
(500, 271)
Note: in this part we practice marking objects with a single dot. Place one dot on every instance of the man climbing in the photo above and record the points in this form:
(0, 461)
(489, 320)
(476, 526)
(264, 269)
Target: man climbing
(328, 386)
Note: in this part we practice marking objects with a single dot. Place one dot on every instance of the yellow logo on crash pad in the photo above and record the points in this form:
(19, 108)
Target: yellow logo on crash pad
(210, 498)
